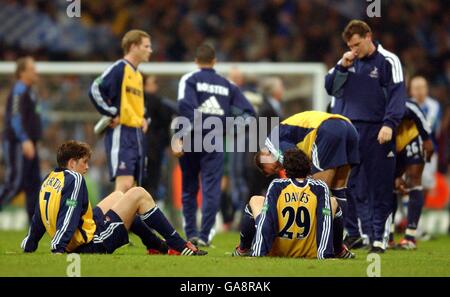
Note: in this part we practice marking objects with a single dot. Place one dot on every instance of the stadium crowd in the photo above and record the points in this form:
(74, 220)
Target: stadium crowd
(275, 30)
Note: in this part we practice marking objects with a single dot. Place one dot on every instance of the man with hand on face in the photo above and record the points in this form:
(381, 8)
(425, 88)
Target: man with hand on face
(368, 87)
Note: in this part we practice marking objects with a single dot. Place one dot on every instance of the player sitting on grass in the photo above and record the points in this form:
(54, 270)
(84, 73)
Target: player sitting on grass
(295, 219)
(65, 213)
(330, 141)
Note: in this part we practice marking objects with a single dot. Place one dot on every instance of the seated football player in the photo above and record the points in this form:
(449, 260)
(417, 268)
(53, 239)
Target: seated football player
(331, 143)
(295, 219)
(414, 147)
(64, 211)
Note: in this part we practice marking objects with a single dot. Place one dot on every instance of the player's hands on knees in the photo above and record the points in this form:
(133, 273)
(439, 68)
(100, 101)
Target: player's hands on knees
(28, 149)
(348, 58)
(400, 186)
(428, 149)
(385, 135)
(177, 147)
(114, 122)
(144, 125)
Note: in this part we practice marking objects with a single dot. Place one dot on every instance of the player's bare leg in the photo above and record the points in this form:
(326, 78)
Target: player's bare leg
(338, 190)
(334, 206)
(153, 243)
(416, 200)
(339, 187)
(341, 178)
(247, 226)
(138, 201)
(327, 176)
(108, 202)
(135, 201)
(124, 183)
(256, 204)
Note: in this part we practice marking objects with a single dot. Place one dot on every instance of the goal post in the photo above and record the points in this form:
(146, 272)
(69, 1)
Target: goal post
(68, 113)
(316, 71)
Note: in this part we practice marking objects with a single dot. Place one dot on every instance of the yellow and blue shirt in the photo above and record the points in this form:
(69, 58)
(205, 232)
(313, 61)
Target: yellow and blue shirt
(300, 131)
(296, 220)
(413, 124)
(120, 91)
(63, 211)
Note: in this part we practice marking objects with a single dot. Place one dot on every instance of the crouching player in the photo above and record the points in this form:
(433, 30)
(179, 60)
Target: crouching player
(65, 213)
(331, 143)
(414, 147)
(294, 220)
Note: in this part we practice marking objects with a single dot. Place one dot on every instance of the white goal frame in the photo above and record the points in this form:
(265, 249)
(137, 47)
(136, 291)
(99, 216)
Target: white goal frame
(316, 70)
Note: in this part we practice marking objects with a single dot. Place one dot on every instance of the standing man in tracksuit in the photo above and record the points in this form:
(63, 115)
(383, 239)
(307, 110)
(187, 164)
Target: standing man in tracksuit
(368, 87)
(204, 96)
(20, 136)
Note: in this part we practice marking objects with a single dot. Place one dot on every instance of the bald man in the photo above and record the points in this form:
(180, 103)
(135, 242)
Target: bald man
(418, 87)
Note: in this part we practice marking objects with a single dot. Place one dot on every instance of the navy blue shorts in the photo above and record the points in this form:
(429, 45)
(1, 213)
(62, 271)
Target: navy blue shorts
(124, 150)
(336, 145)
(411, 154)
(109, 235)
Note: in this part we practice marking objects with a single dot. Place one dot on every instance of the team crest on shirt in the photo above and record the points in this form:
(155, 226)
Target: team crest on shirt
(374, 73)
(71, 203)
(265, 207)
(326, 211)
(122, 165)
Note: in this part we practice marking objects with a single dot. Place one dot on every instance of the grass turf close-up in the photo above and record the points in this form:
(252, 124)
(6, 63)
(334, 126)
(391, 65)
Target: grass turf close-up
(430, 259)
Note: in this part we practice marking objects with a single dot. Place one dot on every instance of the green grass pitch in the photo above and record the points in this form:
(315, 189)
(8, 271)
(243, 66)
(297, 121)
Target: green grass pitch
(431, 259)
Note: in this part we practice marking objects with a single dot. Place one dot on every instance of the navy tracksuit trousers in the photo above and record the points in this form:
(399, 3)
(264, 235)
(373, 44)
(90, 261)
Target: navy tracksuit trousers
(371, 183)
(21, 174)
(209, 168)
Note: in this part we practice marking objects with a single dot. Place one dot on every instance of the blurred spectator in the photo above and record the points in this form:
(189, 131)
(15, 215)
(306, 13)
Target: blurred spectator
(22, 131)
(159, 113)
(432, 111)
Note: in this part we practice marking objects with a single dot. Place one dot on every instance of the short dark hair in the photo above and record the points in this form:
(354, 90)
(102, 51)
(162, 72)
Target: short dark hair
(21, 65)
(205, 54)
(296, 163)
(72, 150)
(355, 27)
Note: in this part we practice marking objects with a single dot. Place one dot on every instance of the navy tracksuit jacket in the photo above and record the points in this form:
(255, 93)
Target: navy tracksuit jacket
(207, 94)
(371, 93)
(22, 122)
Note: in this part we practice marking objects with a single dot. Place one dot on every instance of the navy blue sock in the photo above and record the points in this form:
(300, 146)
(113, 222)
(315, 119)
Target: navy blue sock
(155, 219)
(338, 231)
(338, 222)
(148, 238)
(341, 198)
(415, 204)
(248, 229)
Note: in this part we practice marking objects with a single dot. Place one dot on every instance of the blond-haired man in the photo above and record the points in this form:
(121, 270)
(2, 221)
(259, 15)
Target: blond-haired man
(118, 93)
